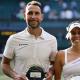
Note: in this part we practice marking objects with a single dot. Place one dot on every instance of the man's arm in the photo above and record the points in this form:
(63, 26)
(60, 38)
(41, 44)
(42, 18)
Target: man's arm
(5, 64)
(52, 62)
(9, 71)
(50, 72)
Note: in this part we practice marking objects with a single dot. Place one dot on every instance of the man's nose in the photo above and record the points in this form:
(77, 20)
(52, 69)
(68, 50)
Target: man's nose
(33, 16)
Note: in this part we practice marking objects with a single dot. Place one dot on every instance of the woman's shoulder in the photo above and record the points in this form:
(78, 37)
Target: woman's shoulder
(61, 52)
(61, 56)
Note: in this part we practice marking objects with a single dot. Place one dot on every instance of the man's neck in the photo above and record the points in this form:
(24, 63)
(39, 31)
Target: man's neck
(36, 32)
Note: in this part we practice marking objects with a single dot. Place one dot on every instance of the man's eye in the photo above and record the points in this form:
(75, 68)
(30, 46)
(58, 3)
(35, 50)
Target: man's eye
(30, 13)
(37, 13)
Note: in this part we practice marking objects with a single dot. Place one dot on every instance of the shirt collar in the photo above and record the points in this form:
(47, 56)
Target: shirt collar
(42, 36)
(26, 31)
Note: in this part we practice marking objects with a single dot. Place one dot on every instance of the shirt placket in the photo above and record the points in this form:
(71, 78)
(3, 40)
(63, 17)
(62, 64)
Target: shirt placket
(35, 47)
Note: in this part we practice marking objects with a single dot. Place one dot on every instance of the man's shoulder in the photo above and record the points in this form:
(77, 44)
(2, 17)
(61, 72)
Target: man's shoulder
(17, 35)
(49, 36)
(21, 33)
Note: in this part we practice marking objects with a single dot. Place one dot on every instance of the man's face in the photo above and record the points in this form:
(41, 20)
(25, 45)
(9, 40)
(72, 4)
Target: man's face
(33, 16)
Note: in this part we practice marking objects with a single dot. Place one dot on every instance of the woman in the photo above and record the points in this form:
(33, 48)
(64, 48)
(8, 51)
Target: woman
(68, 60)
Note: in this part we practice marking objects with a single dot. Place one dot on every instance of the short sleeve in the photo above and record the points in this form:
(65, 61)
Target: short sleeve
(54, 49)
(9, 48)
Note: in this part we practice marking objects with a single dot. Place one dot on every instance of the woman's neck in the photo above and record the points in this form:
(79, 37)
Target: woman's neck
(76, 48)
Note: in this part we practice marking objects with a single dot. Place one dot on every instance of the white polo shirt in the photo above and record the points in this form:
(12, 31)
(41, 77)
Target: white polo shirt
(27, 51)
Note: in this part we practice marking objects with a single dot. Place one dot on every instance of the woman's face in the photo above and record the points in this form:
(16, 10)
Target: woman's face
(75, 35)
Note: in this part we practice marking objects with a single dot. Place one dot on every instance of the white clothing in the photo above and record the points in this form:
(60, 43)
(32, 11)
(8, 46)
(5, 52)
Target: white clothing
(71, 69)
(27, 51)
(68, 14)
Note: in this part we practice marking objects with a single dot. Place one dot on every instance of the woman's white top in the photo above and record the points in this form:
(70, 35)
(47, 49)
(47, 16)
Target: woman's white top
(71, 70)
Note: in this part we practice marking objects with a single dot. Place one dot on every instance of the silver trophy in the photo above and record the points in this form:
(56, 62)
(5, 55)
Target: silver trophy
(35, 73)
(75, 78)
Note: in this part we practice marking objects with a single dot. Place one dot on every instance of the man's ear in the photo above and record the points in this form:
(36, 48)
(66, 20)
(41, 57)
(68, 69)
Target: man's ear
(24, 15)
(42, 17)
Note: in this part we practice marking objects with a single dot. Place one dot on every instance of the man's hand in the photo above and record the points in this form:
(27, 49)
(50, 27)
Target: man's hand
(20, 77)
(49, 76)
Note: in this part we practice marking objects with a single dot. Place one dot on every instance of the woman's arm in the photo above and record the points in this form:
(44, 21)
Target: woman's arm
(58, 65)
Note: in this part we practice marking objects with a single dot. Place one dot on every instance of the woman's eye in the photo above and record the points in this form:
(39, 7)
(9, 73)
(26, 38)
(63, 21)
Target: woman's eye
(79, 33)
(74, 33)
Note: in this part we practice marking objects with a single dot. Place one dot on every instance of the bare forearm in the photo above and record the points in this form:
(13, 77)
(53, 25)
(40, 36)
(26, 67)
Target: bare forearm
(51, 69)
(8, 71)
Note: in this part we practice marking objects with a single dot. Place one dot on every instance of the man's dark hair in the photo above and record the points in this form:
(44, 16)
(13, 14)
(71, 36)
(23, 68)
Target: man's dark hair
(36, 3)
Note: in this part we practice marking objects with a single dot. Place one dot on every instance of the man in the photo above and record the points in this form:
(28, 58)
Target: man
(30, 47)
